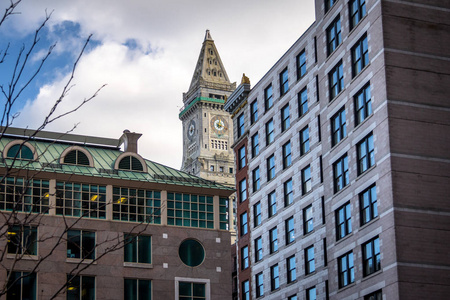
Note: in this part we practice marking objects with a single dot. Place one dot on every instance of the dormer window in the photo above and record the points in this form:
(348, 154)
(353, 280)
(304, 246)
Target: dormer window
(76, 157)
(20, 151)
(130, 163)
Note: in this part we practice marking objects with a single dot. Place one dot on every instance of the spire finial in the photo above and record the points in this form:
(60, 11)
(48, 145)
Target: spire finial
(208, 35)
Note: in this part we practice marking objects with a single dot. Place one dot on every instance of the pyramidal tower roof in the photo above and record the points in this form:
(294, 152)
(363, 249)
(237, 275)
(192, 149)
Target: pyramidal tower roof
(209, 68)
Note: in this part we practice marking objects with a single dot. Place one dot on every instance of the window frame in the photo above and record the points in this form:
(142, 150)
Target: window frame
(259, 280)
(243, 218)
(377, 295)
(308, 220)
(340, 173)
(356, 15)
(254, 111)
(365, 151)
(336, 80)
(20, 281)
(302, 97)
(22, 240)
(346, 276)
(287, 155)
(374, 259)
(242, 162)
(271, 171)
(256, 177)
(274, 277)
(289, 230)
(363, 104)
(245, 290)
(334, 35)
(137, 244)
(136, 284)
(243, 190)
(329, 4)
(360, 55)
(304, 141)
(338, 133)
(268, 97)
(255, 145)
(272, 203)
(81, 279)
(257, 214)
(258, 249)
(310, 265)
(288, 191)
(343, 216)
(284, 82)
(309, 292)
(371, 209)
(83, 253)
(270, 132)
(291, 269)
(285, 118)
(301, 64)
(240, 125)
(245, 258)
(273, 237)
(306, 180)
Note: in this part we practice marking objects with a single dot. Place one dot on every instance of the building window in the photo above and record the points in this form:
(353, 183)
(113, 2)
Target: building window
(340, 173)
(334, 35)
(374, 296)
(371, 256)
(22, 240)
(242, 161)
(257, 214)
(272, 203)
(346, 270)
(270, 135)
(256, 179)
(357, 11)
(338, 127)
(224, 207)
(304, 140)
(19, 194)
(190, 210)
(240, 125)
(343, 221)
(302, 102)
(244, 220)
(329, 4)
(138, 248)
(255, 145)
(268, 99)
(191, 252)
(244, 258)
(274, 277)
(78, 157)
(259, 279)
(336, 80)
(311, 293)
(80, 287)
(20, 151)
(22, 286)
(271, 167)
(129, 163)
(191, 291)
(293, 297)
(363, 104)
(245, 290)
(306, 180)
(288, 193)
(137, 289)
(81, 244)
(284, 82)
(254, 112)
(258, 249)
(290, 233)
(366, 154)
(368, 205)
(285, 118)
(291, 269)
(243, 190)
(134, 205)
(360, 55)
(308, 221)
(273, 234)
(301, 64)
(309, 260)
(287, 159)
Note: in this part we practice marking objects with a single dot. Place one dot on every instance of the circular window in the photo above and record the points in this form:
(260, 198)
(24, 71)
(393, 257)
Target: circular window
(191, 253)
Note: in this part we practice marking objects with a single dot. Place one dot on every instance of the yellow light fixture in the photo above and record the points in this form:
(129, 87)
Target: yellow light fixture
(94, 198)
(12, 233)
(122, 200)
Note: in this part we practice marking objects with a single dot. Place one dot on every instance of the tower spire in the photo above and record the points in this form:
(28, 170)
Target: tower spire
(208, 36)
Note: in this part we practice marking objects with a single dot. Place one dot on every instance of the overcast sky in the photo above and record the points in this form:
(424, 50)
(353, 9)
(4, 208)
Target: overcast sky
(146, 52)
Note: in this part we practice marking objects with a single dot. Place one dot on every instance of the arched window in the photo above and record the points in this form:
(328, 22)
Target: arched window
(20, 151)
(76, 157)
(130, 163)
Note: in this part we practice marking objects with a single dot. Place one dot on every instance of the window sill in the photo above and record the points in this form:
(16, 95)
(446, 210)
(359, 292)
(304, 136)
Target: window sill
(346, 287)
(341, 190)
(363, 122)
(81, 261)
(357, 25)
(358, 75)
(338, 95)
(367, 277)
(138, 265)
(368, 223)
(344, 238)
(22, 256)
(365, 172)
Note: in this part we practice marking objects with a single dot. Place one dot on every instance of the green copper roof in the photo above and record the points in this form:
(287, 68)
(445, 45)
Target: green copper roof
(193, 102)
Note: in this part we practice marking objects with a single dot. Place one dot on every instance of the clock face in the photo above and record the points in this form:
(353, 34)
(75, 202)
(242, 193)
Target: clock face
(219, 125)
(191, 129)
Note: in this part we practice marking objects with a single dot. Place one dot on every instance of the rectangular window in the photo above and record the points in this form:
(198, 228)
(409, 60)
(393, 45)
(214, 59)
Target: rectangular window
(22, 286)
(285, 118)
(301, 64)
(244, 221)
(243, 190)
(343, 221)
(255, 145)
(271, 167)
(81, 244)
(288, 193)
(309, 260)
(256, 179)
(311, 293)
(338, 127)
(133, 205)
(259, 279)
(306, 180)
(254, 112)
(357, 11)
(138, 248)
(22, 240)
(308, 221)
(258, 249)
(287, 159)
(371, 256)
(190, 210)
(284, 82)
(20, 194)
(137, 289)
(363, 104)
(242, 160)
(191, 290)
(268, 99)
(336, 80)
(273, 234)
(293, 297)
(244, 258)
(366, 154)
(272, 202)
(374, 296)
(80, 287)
(257, 214)
(274, 277)
(270, 135)
(290, 232)
(346, 270)
(240, 125)
(245, 291)
(368, 204)
(360, 55)
(329, 4)
(302, 102)
(304, 140)
(224, 207)
(334, 38)
(291, 269)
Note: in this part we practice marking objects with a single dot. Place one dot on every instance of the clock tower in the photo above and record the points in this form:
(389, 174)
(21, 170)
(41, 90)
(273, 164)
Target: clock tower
(207, 127)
